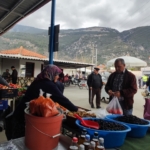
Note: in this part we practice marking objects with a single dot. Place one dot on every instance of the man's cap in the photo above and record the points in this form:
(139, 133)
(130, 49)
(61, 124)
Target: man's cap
(12, 67)
(97, 67)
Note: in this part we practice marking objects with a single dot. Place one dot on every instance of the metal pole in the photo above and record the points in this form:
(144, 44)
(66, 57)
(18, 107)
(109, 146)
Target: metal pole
(51, 37)
(96, 57)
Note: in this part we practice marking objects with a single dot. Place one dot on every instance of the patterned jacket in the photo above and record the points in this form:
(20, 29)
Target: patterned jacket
(129, 88)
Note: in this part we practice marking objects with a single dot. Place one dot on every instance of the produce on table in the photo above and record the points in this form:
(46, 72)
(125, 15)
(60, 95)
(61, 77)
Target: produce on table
(14, 85)
(3, 87)
(22, 91)
(81, 114)
(132, 119)
(109, 126)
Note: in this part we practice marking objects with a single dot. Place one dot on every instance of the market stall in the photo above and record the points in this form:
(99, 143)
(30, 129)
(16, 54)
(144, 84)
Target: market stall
(49, 129)
(65, 141)
(10, 94)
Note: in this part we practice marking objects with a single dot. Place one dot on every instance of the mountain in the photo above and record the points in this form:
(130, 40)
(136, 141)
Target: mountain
(81, 44)
(27, 29)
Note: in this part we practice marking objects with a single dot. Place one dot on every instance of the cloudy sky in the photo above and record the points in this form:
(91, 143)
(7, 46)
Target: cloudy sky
(72, 14)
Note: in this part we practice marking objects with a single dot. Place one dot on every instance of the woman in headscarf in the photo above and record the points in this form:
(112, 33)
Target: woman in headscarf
(46, 81)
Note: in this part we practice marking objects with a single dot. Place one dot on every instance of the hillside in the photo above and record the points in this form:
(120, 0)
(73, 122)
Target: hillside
(78, 44)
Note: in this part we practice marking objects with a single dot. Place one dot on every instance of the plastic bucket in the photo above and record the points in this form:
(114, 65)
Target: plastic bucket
(42, 133)
(137, 131)
(112, 139)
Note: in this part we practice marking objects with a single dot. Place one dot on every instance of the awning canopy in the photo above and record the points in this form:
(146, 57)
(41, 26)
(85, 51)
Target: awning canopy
(12, 11)
(70, 64)
(129, 61)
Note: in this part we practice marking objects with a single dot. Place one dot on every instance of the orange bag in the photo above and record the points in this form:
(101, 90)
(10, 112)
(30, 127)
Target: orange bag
(48, 108)
(34, 104)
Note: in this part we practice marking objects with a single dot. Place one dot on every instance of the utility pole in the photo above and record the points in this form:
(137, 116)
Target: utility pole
(96, 55)
(51, 37)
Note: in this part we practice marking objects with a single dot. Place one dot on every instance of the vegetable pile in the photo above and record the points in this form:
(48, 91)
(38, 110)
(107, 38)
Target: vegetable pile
(11, 86)
(132, 119)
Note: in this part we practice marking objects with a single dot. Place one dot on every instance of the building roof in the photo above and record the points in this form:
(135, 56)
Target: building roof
(129, 61)
(22, 52)
(12, 11)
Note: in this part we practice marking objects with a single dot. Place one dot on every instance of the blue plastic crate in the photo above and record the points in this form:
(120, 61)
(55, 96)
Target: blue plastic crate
(137, 131)
(3, 104)
(112, 139)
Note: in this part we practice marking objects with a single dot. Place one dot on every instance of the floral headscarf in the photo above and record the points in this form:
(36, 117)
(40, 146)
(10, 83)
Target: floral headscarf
(49, 72)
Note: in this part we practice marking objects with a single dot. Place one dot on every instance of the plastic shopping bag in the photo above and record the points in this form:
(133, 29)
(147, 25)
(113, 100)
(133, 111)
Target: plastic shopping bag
(147, 109)
(43, 107)
(114, 106)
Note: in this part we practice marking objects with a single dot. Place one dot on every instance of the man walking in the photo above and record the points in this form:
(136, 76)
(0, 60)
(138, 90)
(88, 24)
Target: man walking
(14, 75)
(95, 85)
(122, 84)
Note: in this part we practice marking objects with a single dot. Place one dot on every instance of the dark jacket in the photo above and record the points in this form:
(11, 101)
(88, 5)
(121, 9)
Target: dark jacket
(148, 82)
(129, 88)
(33, 92)
(90, 80)
(3, 81)
(14, 74)
(60, 86)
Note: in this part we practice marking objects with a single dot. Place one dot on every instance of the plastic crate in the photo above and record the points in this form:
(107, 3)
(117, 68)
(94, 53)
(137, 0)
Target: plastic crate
(8, 93)
(112, 139)
(137, 131)
(3, 104)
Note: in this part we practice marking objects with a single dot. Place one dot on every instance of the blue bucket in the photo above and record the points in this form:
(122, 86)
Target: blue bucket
(112, 139)
(137, 131)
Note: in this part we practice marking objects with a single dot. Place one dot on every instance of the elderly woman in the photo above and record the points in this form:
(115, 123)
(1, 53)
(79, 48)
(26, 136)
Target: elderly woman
(47, 81)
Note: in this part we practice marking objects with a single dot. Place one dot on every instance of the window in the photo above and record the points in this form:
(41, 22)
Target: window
(29, 69)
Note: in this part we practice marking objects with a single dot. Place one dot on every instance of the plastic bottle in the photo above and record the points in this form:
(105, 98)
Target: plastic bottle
(92, 145)
(100, 145)
(95, 138)
(81, 147)
(87, 142)
(82, 136)
(74, 144)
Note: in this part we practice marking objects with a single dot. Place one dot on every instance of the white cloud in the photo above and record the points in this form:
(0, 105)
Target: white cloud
(118, 14)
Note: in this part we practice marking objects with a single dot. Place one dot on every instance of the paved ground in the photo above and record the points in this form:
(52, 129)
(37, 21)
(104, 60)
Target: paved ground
(80, 98)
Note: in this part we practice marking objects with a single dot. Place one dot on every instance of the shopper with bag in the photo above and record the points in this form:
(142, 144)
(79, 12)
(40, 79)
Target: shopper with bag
(122, 84)
(95, 85)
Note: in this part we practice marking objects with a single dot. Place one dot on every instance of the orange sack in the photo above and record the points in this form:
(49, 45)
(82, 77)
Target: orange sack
(48, 108)
(43, 107)
(34, 105)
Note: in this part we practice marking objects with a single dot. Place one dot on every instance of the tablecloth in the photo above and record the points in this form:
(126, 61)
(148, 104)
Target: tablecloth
(137, 143)
(129, 144)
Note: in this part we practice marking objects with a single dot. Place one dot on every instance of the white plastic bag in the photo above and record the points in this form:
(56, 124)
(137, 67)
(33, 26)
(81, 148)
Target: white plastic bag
(100, 113)
(114, 106)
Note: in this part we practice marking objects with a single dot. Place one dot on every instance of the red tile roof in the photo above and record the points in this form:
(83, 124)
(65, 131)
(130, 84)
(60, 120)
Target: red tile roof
(22, 51)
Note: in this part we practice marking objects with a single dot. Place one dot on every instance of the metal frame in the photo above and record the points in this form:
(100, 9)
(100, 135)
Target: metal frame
(5, 19)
